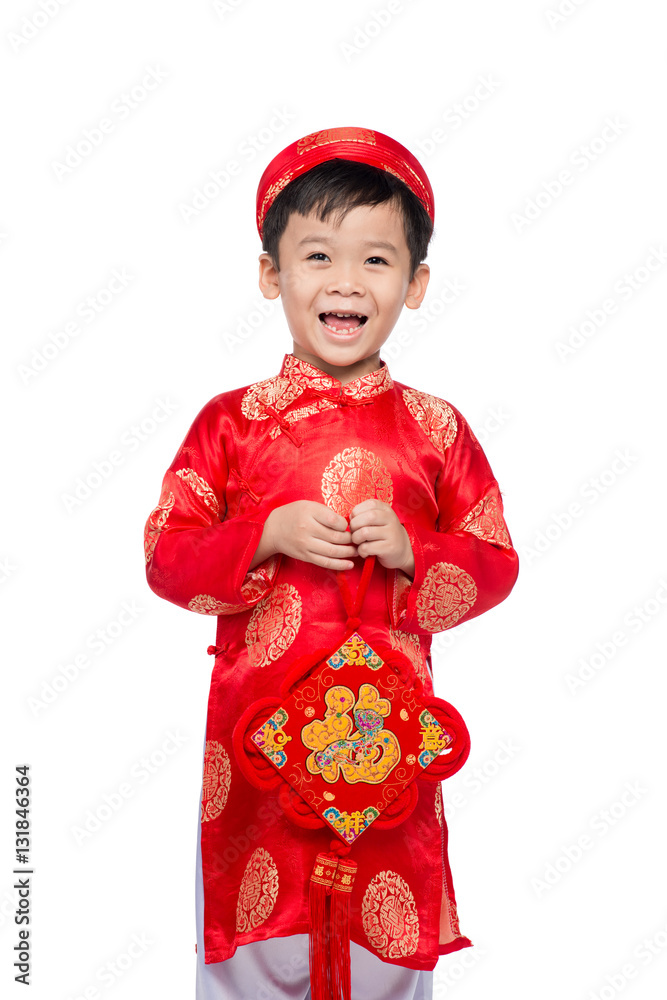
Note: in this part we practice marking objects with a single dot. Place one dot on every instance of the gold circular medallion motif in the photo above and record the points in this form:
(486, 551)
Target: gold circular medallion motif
(389, 916)
(355, 475)
(258, 891)
(273, 625)
(445, 596)
(216, 780)
(435, 417)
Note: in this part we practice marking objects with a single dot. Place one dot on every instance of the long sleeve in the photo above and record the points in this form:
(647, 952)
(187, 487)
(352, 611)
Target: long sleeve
(468, 564)
(196, 555)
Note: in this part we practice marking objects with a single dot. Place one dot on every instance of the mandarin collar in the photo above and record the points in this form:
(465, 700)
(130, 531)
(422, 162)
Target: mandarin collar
(307, 376)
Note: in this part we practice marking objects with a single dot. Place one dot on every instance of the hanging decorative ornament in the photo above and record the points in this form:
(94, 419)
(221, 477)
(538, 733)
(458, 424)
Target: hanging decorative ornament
(345, 743)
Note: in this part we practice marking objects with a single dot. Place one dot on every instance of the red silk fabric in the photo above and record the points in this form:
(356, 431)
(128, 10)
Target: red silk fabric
(300, 435)
(361, 144)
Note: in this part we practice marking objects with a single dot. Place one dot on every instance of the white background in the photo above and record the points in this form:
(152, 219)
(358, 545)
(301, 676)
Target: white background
(581, 432)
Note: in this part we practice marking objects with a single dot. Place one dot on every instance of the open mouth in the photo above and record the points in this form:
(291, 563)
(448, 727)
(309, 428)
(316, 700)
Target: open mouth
(342, 322)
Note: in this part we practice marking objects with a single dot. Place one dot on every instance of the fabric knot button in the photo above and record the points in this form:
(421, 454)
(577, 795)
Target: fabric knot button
(216, 650)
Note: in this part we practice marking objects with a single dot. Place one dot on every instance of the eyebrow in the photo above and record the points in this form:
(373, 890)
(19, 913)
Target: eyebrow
(380, 244)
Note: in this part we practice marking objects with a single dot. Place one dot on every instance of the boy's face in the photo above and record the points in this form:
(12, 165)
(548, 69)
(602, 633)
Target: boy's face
(361, 266)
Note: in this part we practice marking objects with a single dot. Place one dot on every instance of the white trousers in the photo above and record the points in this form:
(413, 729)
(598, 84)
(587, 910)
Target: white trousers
(277, 969)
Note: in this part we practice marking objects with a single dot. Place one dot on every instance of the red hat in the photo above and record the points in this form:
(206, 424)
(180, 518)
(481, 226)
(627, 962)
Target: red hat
(362, 144)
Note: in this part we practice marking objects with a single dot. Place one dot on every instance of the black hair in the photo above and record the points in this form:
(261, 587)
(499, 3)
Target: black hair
(336, 186)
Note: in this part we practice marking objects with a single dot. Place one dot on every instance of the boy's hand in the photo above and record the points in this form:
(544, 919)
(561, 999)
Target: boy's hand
(312, 532)
(376, 531)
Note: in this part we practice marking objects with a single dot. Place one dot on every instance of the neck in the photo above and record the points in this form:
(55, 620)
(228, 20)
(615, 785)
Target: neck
(344, 373)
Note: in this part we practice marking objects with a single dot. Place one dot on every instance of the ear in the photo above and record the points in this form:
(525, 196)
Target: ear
(417, 287)
(268, 277)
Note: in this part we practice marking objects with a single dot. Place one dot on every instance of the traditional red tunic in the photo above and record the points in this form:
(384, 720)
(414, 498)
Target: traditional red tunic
(301, 435)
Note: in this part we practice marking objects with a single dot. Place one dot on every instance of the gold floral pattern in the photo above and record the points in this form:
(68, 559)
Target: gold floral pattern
(258, 891)
(273, 625)
(297, 377)
(200, 488)
(445, 596)
(307, 375)
(369, 385)
(438, 803)
(454, 917)
(216, 781)
(157, 519)
(276, 392)
(328, 135)
(292, 416)
(365, 387)
(352, 476)
(272, 192)
(204, 604)
(389, 915)
(259, 580)
(486, 520)
(435, 417)
(408, 643)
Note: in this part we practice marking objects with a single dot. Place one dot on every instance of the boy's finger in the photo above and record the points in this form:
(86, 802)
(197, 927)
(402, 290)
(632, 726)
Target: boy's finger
(338, 564)
(325, 515)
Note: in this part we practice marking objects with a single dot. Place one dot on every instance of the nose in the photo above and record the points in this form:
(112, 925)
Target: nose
(345, 279)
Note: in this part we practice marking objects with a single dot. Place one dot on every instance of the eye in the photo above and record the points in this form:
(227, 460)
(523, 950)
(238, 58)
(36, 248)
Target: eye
(376, 260)
(318, 255)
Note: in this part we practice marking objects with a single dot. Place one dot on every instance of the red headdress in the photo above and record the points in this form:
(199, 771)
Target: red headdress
(362, 144)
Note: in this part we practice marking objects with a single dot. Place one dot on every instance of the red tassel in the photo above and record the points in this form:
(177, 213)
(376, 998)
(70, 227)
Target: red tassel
(321, 882)
(340, 929)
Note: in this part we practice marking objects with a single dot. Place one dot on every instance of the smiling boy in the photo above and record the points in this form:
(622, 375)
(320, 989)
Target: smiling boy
(277, 486)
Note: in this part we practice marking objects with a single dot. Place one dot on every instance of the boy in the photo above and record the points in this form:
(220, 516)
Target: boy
(277, 487)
